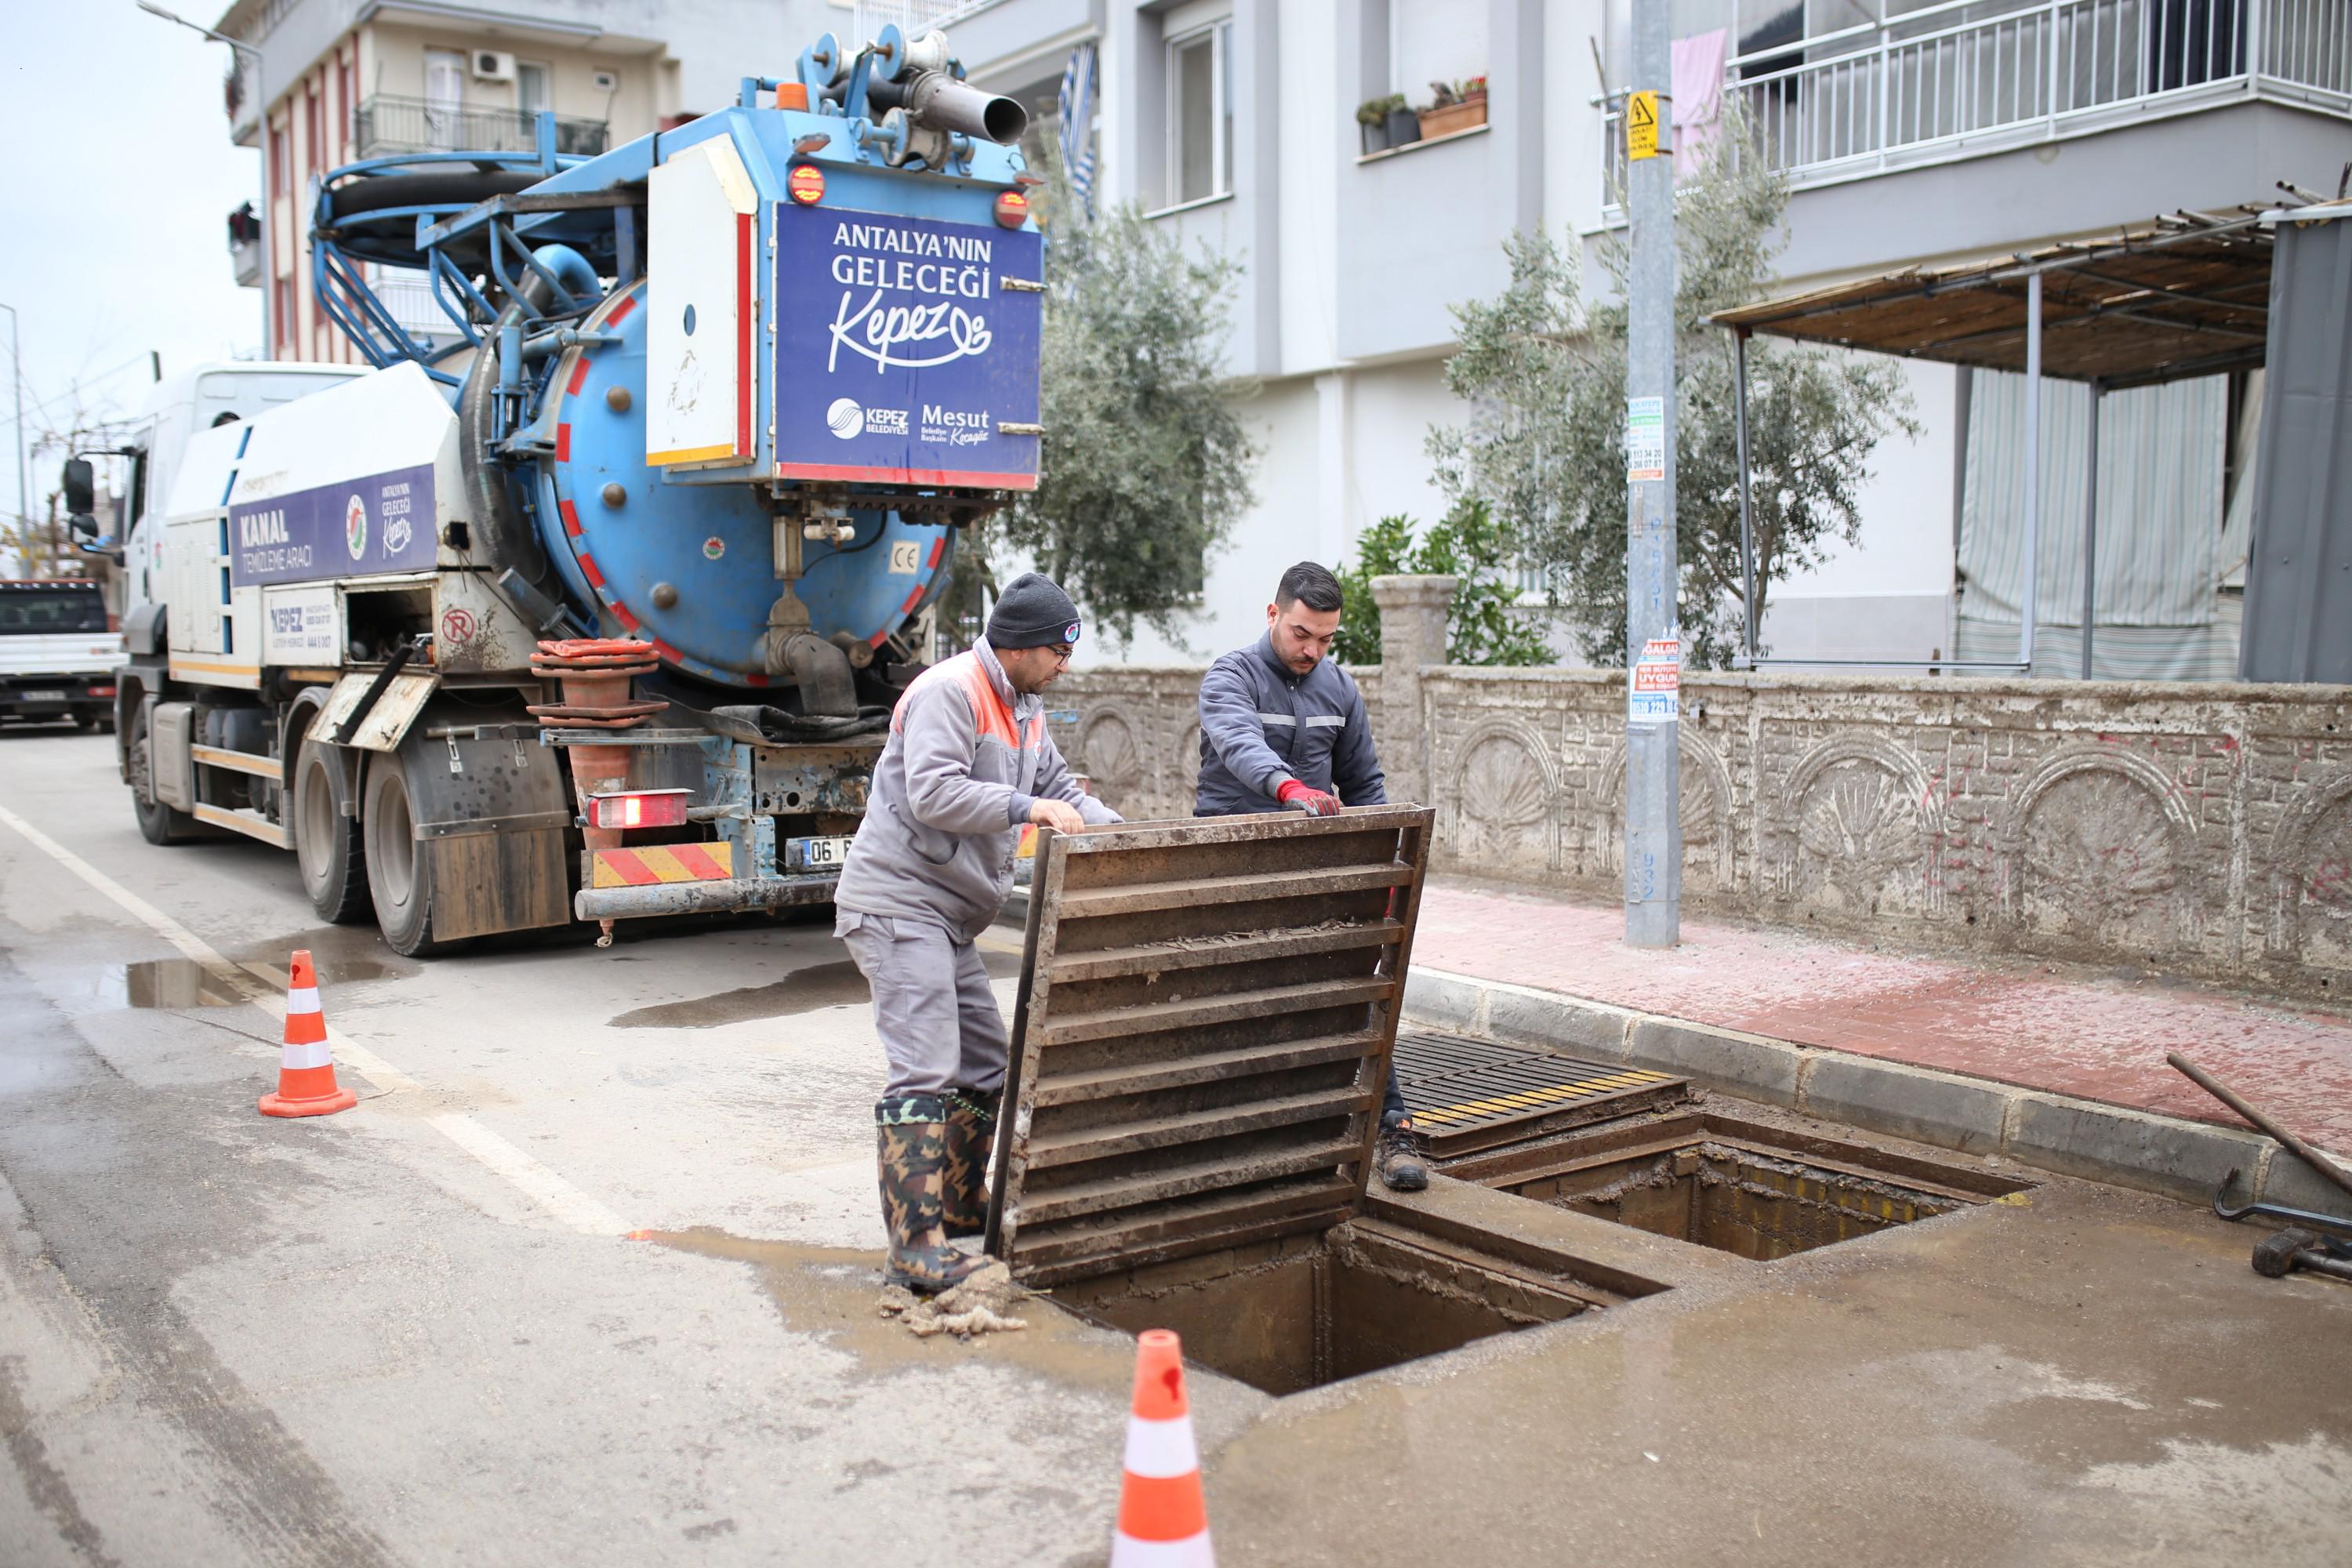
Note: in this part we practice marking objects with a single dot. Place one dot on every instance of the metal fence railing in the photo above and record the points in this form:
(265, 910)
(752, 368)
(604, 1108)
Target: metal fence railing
(387, 124)
(1948, 79)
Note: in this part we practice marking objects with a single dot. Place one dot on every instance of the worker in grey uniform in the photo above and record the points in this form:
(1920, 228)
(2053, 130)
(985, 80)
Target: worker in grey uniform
(966, 764)
(1283, 726)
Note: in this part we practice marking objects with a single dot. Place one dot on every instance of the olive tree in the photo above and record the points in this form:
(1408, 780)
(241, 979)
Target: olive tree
(1146, 462)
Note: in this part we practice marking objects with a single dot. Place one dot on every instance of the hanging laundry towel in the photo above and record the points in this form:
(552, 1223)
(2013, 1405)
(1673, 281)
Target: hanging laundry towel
(1698, 96)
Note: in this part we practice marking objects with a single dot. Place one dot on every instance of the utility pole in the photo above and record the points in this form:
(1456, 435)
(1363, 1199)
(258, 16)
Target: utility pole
(16, 375)
(1654, 828)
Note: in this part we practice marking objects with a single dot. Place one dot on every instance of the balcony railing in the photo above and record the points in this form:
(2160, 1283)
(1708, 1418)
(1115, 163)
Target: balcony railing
(1947, 80)
(386, 125)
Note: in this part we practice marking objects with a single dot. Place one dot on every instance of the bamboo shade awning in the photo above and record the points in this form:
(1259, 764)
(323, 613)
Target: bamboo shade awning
(2188, 294)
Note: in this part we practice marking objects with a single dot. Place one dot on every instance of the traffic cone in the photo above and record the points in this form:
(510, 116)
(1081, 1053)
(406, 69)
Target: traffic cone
(306, 1073)
(1162, 1521)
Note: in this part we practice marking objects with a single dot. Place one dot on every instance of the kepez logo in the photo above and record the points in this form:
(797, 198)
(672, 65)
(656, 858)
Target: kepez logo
(356, 527)
(845, 418)
(933, 271)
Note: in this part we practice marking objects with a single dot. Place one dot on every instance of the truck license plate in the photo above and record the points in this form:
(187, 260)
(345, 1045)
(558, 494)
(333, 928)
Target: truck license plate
(815, 853)
(40, 697)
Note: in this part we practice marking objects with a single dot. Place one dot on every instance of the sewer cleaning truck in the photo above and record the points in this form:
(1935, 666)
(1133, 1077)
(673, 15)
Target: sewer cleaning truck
(594, 605)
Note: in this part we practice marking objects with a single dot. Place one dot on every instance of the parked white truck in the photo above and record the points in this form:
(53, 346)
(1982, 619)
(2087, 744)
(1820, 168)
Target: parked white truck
(58, 652)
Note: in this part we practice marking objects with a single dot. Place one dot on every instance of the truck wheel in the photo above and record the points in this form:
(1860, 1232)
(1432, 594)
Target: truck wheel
(400, 878)
(158, 823)
(327, 843)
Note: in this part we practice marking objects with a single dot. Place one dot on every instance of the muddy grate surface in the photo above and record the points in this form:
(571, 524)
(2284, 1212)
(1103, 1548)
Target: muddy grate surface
(1467, 1095)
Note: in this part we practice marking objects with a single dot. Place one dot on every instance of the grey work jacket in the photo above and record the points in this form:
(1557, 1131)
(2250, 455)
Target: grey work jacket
(965, 762)
(1261, 724)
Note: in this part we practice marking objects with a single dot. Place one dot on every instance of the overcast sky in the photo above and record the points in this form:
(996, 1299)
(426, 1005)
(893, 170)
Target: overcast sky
(115, 203)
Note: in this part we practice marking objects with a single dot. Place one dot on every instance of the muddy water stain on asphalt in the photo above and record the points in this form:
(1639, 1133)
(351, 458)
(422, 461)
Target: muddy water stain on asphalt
(342, 957)
(836, 1291)
(805, 990)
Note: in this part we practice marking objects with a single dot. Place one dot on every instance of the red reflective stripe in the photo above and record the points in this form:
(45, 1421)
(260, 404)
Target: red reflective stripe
(563, 442)
(624, 864)
(579, 375)
(877, 639)
(621, 310)
(744, 228)
(621, 611)
(755, 680)
(1162, 1508)
(306, 1083)
(914, 598)
(668, 652)
(938, 548)
(696, 859)
(588, 569)
(571, 517)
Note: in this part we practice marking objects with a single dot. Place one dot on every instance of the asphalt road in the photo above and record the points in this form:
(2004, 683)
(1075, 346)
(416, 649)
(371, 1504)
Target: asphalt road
(415, 1332)
(589, 1277)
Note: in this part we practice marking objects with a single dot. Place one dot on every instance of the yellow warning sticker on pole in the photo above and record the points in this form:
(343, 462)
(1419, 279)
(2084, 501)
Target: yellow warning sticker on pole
(1640, 125)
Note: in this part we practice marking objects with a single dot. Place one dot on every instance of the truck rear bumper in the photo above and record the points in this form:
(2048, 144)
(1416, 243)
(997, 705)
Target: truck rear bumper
(701, 898)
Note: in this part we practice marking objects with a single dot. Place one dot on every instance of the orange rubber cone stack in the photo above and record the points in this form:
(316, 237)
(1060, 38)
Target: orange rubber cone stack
(1162, 1521)
(306, 1073)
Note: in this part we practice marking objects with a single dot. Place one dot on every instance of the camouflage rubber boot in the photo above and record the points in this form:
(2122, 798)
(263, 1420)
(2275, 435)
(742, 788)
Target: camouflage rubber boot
(1396, 1160)
(971, 1136)
(912, 1146)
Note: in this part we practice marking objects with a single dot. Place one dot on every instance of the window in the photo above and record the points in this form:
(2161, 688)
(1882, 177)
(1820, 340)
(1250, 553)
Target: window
(534, 87)
(285, 315)
(1200, 114)
(444, 95)
(276, 160)
(314, 128)
(345, 107)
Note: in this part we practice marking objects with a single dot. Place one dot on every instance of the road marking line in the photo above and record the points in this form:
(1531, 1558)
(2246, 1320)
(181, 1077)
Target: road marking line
(534, 1180)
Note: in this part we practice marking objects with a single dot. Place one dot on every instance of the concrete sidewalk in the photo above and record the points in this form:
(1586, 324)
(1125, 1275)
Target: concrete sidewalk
(2068, 1034)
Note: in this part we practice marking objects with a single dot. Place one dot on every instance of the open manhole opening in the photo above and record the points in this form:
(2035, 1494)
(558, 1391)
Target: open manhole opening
(1201, 1035)
(1741, 1186)
(1296, 1312)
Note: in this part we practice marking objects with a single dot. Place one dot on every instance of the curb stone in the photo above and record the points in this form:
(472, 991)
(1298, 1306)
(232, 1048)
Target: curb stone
(2176, 1158)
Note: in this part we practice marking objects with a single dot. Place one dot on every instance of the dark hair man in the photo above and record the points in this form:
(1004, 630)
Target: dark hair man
(1281, 725)
(967, 763)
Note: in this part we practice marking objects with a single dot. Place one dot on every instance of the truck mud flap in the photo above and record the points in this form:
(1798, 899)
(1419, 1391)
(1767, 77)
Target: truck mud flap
(493, 809)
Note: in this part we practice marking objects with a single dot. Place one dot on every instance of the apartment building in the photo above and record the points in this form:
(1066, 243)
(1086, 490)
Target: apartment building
(1914, 134)
(333, 81)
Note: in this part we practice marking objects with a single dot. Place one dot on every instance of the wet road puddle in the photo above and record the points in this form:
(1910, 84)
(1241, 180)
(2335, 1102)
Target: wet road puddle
(837, 1291)
(805, 990)
(341, 959)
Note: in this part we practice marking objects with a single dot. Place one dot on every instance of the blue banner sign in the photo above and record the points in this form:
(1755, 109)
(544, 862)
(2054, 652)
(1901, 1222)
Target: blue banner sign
(901, 355)
(354, 529)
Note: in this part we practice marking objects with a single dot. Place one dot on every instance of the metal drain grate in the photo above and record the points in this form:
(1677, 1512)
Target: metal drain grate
(1467, 1095)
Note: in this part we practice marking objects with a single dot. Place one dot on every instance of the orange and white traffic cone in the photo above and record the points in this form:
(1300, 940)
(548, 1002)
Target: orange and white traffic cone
(1162, 1521)
(305, 1072)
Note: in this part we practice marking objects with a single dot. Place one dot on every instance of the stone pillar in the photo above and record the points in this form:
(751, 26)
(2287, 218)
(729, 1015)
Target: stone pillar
(1414, 628)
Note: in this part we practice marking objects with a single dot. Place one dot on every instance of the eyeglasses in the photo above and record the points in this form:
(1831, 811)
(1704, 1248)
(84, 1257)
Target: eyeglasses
(1063, 650)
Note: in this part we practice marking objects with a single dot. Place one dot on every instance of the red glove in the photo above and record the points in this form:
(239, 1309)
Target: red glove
(1308, 798)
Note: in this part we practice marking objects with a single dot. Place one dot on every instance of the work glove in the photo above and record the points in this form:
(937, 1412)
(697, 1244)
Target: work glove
(1308, 798)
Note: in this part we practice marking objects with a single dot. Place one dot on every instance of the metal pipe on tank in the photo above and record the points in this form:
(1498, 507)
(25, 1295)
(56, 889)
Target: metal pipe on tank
(937, 100)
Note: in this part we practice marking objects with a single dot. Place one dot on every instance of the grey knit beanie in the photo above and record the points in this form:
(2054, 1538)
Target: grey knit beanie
(1031, 612)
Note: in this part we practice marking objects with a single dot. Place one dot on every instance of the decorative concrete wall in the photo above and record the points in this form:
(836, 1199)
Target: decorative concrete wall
(2205, 829)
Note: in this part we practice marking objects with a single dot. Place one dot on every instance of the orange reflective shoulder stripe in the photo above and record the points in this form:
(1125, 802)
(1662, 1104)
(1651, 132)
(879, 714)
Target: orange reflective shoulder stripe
(990, 715)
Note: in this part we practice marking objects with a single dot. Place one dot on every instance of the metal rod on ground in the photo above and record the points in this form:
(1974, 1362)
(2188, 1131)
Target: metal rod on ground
(2288, 1140)
(1747, 522)
(2091, 536)
(1654, 847)
(2032, 467)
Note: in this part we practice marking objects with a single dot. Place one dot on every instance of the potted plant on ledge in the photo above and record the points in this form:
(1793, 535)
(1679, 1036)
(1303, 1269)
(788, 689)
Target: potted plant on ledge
(1458, 106)
(1375, 115)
